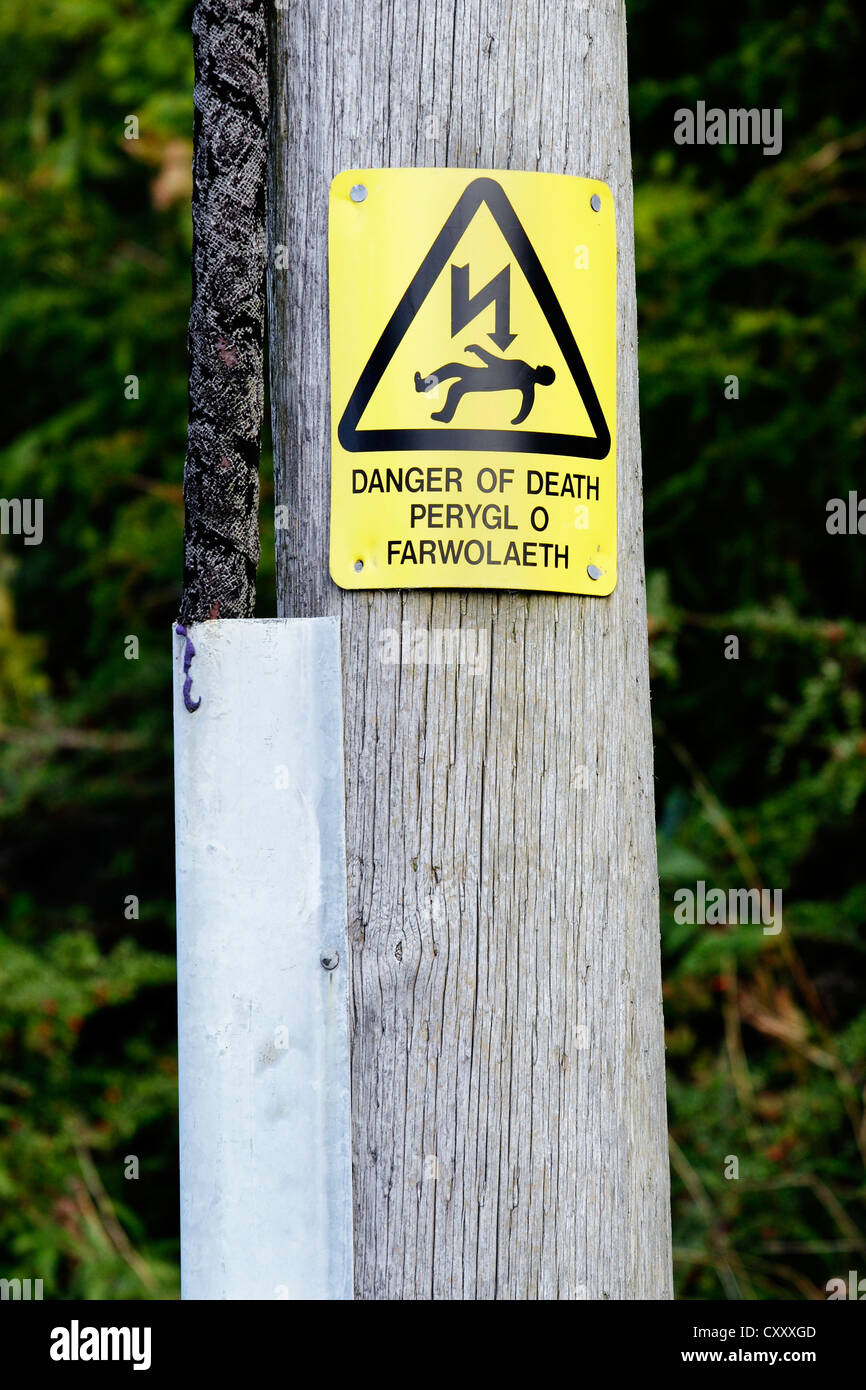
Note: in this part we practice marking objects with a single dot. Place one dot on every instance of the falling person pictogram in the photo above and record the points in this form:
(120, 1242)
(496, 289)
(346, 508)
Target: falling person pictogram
(497, 374)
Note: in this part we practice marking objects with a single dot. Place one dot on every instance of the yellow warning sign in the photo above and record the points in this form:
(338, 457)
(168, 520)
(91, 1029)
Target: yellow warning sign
(473, 381)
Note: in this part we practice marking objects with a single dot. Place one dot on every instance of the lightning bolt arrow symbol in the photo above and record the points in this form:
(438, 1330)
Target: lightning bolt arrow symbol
(464, 308)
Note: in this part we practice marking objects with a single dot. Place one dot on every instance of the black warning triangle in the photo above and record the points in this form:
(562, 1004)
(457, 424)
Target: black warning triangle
(353, 440)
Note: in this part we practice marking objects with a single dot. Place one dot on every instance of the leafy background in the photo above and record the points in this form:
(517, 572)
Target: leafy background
(747, 265)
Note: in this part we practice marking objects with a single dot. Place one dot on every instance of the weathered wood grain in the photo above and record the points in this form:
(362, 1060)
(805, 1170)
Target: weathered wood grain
(508, 1067)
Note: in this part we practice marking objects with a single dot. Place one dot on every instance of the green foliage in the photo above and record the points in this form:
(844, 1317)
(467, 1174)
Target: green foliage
(748, 266)
(68, 1097)
(754, 266)
(94, 284)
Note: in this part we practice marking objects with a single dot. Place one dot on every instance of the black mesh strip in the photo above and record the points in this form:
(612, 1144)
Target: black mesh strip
(226, 325)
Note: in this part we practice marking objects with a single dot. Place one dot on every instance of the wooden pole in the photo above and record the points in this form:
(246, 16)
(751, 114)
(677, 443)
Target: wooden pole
(507, 1047)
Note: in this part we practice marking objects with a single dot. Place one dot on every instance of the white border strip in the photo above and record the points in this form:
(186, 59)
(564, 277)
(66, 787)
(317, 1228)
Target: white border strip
(265, 1142)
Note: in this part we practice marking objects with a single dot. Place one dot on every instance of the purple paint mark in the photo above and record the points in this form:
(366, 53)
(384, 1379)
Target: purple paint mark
(188, 654)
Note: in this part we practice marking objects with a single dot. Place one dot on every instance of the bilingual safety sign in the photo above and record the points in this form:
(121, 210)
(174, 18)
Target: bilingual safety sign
(473, 381)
